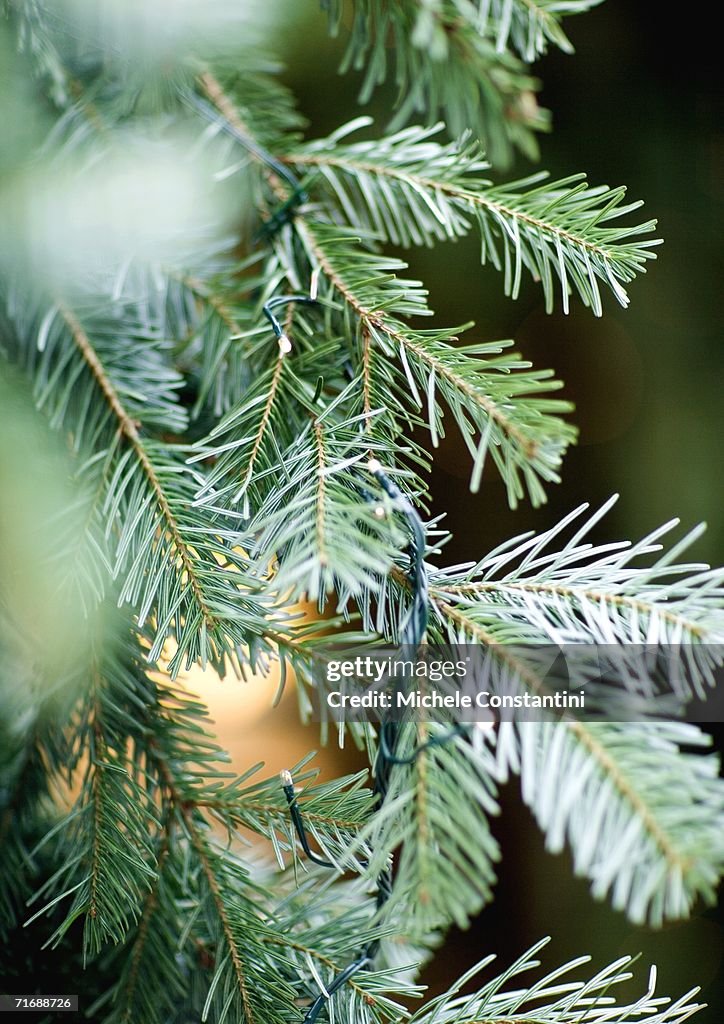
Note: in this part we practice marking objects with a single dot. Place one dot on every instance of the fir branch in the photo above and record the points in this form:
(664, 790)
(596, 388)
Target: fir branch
(207, 320)
(254, 100)
(555, 998)
(234, 941)
(378, 300)
(139, 860)
(150, 985)
(263, 423)
(497, 411)
(244, 447)
(325, 925)
(444, 66)
(211, 312)
(107, 862)
(204, 293)
(324, 532)
(496, 396)
(291, 944)
(605, 787)
(243, 981)
(367, 377)
(436, 816)
(410, 189)
(320, 517)
(247, 984)
(136, 959)
(334, 812)
(653, 861)
(274, 942)
(530, 25)
(179, 566)
(610, 594)
(129, 430)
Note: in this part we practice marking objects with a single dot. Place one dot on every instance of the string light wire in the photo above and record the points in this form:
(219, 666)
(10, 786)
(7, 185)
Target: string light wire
(413, 635)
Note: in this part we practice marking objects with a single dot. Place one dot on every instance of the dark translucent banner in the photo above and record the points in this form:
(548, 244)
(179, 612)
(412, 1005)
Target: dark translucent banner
(476, 683)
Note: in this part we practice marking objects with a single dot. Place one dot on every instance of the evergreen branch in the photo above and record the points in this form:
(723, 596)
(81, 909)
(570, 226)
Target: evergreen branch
(290, 943)
(410, 190)
(521, 431)
(141, 941)
(243, 450)
(245, 978)
(564, 767)
(125, 424)
(676, 859)
(205, 926)
(583, 594)
(211, 87)
(211, 324)
(202, 291)
(634, 842)
(161, 969)
(254, 101)
(436, 815)
(367, 377)
(274, 942)
(334, 812)
(330, 923)
(605, 594)
(555, 998)
(107, 862)
(385, 291)
(324, 532)
(232, 940)
(605, 787)
(444, 67)
(129, 430)
(320, 517)
(388, 411)
(207, 325)
(253, 448)
(138, 858)
(497, 410)
(529, 25)
(471, 390)
(181, 566)
(263, 423)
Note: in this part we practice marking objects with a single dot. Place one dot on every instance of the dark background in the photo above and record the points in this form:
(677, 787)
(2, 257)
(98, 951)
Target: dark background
(638, 103)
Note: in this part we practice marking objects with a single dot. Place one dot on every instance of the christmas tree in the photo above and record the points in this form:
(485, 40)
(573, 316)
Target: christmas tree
(219, 400)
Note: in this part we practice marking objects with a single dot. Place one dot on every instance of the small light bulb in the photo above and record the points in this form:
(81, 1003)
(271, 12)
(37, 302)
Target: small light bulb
(374, 466)
(380, 511)
(285, 345)
(286, 777)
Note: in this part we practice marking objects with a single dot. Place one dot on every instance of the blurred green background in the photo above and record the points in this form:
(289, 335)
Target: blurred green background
(638, 103)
